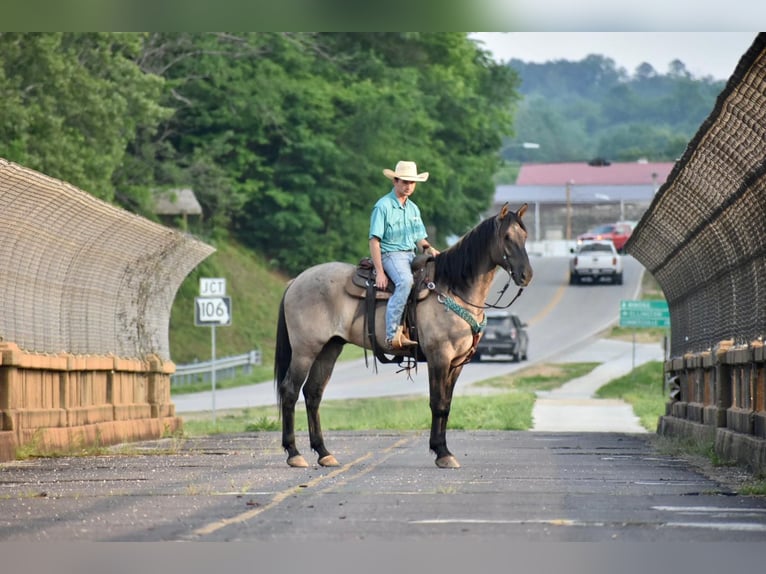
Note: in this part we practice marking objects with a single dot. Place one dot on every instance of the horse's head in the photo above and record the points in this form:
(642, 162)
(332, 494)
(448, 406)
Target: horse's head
(512, 253)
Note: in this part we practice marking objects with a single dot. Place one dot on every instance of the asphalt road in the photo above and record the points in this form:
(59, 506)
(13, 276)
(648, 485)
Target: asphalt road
(513, 487)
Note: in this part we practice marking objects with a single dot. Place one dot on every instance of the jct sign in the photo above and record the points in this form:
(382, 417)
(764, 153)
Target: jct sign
(212, 286)
(212, 311)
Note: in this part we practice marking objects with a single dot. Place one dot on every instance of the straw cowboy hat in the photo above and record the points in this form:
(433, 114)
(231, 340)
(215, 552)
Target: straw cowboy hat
(406, 170)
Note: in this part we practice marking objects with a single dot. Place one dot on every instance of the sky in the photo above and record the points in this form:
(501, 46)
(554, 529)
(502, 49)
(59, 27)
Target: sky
(713, 54)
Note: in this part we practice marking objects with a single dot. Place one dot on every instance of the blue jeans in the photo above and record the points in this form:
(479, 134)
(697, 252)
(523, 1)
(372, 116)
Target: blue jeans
(398, 267)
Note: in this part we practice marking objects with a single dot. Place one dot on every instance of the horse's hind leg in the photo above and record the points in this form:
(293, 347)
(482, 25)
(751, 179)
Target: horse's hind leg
(289, 388)
(319, 376)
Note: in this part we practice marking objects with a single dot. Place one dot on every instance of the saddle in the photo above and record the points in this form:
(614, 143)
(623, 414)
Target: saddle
(361, 285)
(357, 285)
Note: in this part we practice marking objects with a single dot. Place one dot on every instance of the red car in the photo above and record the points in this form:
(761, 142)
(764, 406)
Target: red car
(618, 233)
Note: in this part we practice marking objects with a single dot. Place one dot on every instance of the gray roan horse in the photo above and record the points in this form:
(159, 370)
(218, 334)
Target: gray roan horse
(317, 318)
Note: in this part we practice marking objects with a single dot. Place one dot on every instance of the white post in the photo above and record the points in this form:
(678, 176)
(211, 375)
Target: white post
(634, 349)
(537, 222)
(212, 367)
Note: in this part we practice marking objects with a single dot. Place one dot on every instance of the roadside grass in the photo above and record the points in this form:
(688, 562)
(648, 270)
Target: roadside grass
(540, 377)
(508, 407)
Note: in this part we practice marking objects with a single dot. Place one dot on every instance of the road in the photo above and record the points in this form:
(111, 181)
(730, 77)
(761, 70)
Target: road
(513, 487)
(562, 320)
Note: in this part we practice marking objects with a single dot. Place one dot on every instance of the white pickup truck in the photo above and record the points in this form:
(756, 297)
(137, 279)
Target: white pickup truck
(595, 259)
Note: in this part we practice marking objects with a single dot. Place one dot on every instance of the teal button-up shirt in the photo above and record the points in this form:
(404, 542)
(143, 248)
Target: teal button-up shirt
(399, 227)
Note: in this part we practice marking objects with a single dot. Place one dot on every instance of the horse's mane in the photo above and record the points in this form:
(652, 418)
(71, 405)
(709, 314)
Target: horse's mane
(460, 265)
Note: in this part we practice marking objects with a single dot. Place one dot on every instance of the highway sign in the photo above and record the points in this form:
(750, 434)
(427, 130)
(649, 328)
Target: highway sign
(642, 313)
(212, 311)
(212, 286)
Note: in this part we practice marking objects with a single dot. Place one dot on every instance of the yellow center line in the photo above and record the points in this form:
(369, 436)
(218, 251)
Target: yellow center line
(283, 495)
(555, 300)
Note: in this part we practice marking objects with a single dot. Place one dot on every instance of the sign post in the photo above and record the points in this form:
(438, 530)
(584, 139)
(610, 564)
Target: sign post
(212, 309)
(643, 313)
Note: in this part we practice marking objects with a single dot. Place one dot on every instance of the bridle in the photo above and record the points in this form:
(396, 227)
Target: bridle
(508, 268)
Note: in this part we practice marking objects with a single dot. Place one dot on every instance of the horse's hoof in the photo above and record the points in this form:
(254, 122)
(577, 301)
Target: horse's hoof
(448, 461)
(328, 460)
(297, 461)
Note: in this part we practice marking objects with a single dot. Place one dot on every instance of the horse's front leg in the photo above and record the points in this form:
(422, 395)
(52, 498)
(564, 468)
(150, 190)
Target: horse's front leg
(441, 385)
(313, 390)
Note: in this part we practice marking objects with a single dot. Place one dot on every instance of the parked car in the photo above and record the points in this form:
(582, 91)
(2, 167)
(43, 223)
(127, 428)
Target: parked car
(617, 233)
(595, 259)
(505, 334)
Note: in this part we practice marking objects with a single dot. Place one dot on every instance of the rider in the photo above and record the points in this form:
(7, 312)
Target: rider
(396, 230)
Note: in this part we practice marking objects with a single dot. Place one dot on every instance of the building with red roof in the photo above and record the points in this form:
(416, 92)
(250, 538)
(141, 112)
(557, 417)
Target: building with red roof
(567, 199)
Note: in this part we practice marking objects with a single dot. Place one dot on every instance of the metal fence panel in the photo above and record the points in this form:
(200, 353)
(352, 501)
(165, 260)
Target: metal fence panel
(82, 276)
(704, 235)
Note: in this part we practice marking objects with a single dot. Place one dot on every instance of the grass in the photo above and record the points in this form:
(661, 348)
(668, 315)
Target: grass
(540, 377)
(510, 408)
(755, 488)
(256, 291)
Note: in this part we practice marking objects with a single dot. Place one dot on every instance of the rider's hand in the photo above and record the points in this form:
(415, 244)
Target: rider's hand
(381, 282)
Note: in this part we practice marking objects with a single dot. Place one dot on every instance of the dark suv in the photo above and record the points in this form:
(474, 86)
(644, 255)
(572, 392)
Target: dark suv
(504, 334)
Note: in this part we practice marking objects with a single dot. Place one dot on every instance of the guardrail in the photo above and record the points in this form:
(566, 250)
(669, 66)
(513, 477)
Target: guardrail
(225, 368)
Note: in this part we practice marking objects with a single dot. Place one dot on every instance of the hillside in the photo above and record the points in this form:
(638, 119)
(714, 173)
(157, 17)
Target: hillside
(576, 111)
(255, 291)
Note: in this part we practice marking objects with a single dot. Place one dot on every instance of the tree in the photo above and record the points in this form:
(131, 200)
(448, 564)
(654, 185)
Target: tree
(73, 102)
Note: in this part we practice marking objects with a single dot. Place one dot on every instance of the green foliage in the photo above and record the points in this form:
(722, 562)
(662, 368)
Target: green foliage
(289, 132)
(72, 103)
(580, 110)
(754, 488)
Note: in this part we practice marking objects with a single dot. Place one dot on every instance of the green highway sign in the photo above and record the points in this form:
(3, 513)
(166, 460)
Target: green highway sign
(641, 313)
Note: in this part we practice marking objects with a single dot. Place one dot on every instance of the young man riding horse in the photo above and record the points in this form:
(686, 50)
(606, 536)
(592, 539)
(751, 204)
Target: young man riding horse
(396, 230)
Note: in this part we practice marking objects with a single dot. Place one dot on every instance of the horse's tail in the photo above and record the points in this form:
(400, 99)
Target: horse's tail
(283, 351)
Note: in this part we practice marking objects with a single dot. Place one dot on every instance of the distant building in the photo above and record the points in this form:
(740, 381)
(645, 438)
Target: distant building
(566, 199)
(177, 204)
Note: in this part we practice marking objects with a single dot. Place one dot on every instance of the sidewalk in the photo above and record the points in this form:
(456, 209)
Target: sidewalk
(573, 408)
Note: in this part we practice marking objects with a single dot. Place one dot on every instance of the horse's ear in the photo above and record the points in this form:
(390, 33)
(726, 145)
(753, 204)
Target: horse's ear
(522, 210)
(503, 212)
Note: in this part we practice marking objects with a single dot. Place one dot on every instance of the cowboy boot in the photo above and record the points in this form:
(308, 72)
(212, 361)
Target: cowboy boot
(401, 340)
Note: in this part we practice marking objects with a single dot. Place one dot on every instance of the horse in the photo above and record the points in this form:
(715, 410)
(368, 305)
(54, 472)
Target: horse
(317, 317)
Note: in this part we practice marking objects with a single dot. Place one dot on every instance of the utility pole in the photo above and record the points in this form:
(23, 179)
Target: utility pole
(569, 209)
